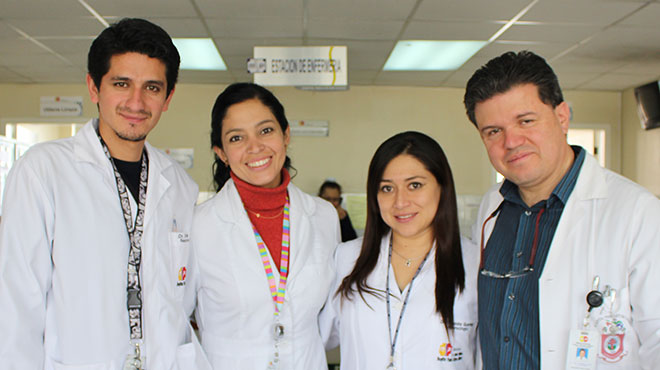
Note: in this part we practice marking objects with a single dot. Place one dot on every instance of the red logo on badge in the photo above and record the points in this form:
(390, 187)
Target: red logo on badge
(611, 348)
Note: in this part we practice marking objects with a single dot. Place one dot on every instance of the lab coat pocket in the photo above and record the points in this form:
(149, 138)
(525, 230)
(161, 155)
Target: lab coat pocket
(180, 249)
(191, 355)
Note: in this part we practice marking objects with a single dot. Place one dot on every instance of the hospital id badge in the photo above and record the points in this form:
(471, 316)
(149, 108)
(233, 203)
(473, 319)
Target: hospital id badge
(582, 349)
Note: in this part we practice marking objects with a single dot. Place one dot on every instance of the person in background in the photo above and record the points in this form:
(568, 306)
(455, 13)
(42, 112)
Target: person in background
(262, 244)
(569, 249)
(94, 245)
(404, 296)
(331, 191)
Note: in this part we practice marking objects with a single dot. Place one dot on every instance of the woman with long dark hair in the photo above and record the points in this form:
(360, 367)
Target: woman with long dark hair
(262, 245)
(405, 294)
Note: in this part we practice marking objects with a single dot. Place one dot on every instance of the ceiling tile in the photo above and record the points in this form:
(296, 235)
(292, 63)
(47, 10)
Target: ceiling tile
(116, 9)
(567, 33)
(232, 9)
(614, 81)
(182, 27)
(469, 10)
(594, 12)
(419, 78)
(342, 28)
(434, 30)
(205, 77)
(256, 27)
(360, 10)
(41, 9)
(647, 16)
(245, 46)
(73, 26)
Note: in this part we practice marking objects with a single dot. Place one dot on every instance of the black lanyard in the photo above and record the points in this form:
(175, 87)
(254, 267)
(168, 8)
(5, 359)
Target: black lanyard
(403, 308)
(133, 288)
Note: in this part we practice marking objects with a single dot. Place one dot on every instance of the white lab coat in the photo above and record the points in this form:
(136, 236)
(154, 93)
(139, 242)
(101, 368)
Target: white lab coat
(63, 262)
(235, 309)
(361, 330)
(608, 228)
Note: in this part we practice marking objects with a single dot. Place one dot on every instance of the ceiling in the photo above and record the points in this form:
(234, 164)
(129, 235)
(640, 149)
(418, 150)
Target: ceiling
(591, 44)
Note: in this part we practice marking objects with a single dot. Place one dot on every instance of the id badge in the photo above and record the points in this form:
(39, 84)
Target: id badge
(583, 346)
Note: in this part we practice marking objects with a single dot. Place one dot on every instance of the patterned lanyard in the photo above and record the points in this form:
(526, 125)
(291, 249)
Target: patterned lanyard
(133, 289)
(403, 308)
(276, 292)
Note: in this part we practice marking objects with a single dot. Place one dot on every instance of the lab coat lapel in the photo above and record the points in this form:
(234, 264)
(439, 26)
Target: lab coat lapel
(229, 208)
(571, 239)
(159, 180)
(302, 240)
(88, 149)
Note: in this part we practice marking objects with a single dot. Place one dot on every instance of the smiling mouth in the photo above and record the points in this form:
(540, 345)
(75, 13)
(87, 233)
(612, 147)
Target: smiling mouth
(259, 163)
(406, 217)
(518, 156)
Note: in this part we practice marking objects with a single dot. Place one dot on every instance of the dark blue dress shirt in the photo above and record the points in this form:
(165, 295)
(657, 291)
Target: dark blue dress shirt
(509, 307)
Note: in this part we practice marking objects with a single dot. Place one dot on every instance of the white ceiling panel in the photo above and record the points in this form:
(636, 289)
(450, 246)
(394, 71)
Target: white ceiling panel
(182, 27)
(205, 77)
(434, 30)
(142, 8)
(64, 46)
(614, 81)
(647, 66)
(10, 76)
(575, 64)
(232, 9)
(360, 10)
(256, 27)
(52, 74)
(421, 78)
(245, 47)
(18, 47)
(595, 12)
(567, 33)
(469, 10)
(342, 28)
(647, 16)
(86, 26)
(41, 9)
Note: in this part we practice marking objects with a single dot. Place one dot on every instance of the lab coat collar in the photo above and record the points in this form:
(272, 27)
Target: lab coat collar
(229, 208)
(300, 205)
(88, 148)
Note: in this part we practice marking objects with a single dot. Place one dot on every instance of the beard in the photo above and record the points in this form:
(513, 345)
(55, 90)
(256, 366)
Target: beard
(131, 136)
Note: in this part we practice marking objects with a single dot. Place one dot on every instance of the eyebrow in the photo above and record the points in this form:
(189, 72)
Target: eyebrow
(406, 179)
(148, 82)
(242, 129)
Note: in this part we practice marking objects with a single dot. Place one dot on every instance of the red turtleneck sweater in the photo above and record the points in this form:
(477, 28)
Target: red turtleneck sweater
(265, 207)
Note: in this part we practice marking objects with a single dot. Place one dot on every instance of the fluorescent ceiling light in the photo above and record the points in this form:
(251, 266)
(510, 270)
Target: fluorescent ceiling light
(199, 54)
(426, 55)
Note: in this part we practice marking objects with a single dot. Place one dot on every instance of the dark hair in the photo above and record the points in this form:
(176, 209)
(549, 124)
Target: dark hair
(508, 70)
(133, 35)
(450, 274)
(234, 94)
(329, 184)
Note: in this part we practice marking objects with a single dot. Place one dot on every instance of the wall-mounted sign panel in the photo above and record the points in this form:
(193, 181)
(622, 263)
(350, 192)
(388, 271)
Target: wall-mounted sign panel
(309, 127)
(61, 105)
(301, 66)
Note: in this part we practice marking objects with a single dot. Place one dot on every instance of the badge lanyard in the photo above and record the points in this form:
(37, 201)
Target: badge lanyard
(133, 289)
(390, 365)
(277, 292)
